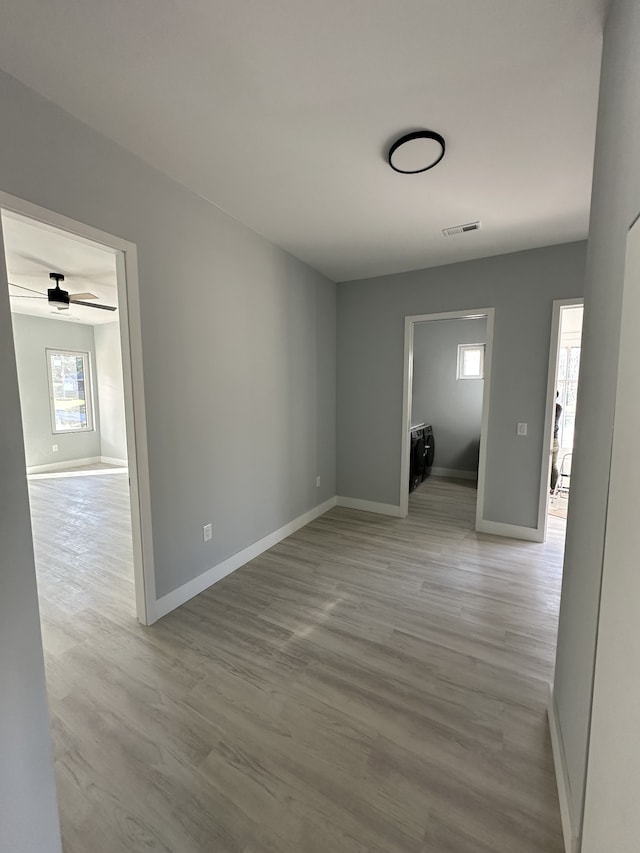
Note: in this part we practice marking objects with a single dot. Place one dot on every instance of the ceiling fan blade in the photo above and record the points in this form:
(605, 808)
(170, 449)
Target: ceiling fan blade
(30, 289)
(94, 305)
(82, 296)
(20, 296)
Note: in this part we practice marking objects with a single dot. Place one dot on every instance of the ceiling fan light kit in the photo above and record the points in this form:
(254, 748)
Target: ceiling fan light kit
(62, 299)
(57, 296)
(416, 152)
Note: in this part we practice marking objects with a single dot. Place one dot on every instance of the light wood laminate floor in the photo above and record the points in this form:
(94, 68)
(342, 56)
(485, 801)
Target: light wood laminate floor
(369, 685)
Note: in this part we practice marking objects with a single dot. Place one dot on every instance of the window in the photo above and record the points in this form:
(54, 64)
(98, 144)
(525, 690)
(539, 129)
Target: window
(69, 391)
(470, 361)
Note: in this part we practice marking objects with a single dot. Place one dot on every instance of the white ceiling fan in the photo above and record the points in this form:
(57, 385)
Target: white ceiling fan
(61, 299)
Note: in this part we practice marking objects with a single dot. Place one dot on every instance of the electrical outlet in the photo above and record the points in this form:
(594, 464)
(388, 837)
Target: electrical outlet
(317, 482)
(522, 429)
(55, 448)
(207, 532)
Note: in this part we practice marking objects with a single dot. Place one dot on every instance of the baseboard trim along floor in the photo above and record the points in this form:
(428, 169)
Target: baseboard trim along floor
(194, 587)
(114, 460)
(454, 473)
(59, 466)
(369, 506)
(74, 467)
(511, 531)
(562, 780)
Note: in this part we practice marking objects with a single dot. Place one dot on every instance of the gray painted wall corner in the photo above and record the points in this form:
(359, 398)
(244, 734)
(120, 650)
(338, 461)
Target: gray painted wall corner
(521, 287)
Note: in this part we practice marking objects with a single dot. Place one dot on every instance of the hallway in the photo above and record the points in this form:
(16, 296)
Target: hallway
(369, 684)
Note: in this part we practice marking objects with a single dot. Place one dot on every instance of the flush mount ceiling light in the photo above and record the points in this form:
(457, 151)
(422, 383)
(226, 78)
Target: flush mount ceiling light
(416, 152)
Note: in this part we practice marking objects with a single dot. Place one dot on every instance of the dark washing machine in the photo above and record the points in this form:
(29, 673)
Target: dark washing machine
(421, 454)
(431, 451)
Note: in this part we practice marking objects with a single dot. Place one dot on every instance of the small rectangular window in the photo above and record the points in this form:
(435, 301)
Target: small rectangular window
(69, 391)
(471, 361)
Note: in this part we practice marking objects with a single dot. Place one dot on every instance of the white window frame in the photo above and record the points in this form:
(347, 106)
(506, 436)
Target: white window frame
(462, 348)
(88, 390)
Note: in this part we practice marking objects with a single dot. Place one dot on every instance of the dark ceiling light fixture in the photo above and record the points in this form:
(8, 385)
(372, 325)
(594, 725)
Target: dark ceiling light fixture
(59, 298)
(56, 295)
(62, 298)
(416, 152)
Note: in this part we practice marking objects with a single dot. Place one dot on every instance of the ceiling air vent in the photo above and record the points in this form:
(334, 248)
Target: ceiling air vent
(461, 229)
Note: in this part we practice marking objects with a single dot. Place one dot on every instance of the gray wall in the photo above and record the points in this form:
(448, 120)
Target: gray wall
(110, 391)
(611, 816)
(615, 203)
(452, 406)
(32, 336)
(238, 340)
(28, 813)
(521, 287)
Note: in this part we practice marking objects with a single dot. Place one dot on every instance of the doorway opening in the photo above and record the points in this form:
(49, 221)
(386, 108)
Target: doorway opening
(446, 407)
(562, 391)
(77, 344)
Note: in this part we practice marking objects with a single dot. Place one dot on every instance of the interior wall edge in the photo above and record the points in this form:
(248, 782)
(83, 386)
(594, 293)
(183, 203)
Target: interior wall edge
(571, 841)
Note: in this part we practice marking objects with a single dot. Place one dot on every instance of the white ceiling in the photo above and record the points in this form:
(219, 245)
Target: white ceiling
(281, 113)
(33, 250)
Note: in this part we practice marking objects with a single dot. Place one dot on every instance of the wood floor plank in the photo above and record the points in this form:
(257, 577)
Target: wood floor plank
(369, 685)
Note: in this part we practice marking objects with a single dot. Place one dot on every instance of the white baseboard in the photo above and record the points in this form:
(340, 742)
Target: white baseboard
(83, 472)
(562, 779)
(454, 473)
(57, 466)
(370, 506)
(194, 587)
(111, 460)
(511, 531)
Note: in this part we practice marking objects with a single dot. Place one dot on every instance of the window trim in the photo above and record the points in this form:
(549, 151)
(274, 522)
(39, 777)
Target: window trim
(461, 350)
(88, 391)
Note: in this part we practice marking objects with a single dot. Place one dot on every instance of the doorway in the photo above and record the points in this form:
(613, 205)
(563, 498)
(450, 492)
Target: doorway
(78, 353)
(562, 390)
(447, 369)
